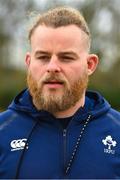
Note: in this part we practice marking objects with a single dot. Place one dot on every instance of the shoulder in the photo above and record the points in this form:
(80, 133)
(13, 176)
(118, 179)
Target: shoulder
(113, 119)
(114, 114)
(7, 116)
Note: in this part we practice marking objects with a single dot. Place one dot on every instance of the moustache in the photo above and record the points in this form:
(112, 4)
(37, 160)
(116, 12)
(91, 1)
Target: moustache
(53, 78)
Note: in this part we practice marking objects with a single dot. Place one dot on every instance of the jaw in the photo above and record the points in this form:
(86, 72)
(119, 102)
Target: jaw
(71, 111)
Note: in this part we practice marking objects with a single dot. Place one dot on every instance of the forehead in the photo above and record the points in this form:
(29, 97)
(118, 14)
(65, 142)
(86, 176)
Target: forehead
(62, 36)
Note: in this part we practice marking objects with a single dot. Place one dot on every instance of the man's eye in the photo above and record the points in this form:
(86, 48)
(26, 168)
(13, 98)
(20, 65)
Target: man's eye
(67, 58)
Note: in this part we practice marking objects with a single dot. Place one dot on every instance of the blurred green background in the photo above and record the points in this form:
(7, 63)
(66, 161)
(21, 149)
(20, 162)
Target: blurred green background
(103, 17)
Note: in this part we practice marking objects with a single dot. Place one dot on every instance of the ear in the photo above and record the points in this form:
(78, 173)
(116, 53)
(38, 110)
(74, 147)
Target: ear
(92, 63)
(28, 59)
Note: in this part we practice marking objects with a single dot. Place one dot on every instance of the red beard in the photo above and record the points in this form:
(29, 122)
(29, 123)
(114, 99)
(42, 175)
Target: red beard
(51, 101)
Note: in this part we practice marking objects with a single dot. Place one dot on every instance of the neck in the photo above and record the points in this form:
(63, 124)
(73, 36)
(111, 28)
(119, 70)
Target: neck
(71, 111)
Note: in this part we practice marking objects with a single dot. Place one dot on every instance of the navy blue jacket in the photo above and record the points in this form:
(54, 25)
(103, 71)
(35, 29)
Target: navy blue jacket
(33, 144)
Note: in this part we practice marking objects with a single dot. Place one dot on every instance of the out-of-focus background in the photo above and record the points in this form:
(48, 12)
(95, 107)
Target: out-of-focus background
(103, 17)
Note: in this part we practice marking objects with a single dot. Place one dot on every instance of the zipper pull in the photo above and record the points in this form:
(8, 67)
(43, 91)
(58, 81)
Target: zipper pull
(64, 132)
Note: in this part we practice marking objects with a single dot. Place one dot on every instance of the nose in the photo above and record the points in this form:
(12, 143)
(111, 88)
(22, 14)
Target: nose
(53, 65)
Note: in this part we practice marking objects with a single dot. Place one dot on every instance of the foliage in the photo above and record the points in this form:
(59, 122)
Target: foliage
(12, 82)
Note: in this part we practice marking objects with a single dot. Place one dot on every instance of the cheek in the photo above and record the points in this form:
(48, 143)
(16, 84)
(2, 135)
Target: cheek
(36, 71)
(75, 72)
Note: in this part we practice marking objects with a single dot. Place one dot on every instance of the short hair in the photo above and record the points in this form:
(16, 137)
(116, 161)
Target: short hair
(61, 16)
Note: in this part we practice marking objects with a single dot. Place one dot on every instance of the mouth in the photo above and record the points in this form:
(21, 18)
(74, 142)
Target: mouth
(54, 84)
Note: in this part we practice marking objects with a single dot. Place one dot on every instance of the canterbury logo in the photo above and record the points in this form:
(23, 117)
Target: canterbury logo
(18, 144)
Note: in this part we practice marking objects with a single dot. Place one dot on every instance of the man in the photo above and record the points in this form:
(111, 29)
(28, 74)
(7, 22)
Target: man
(55, 129)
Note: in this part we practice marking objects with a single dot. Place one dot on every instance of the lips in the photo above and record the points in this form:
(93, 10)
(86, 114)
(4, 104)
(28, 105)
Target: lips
(53, 84)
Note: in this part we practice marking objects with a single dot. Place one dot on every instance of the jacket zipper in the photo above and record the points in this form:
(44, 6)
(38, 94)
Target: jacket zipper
(70, 162)
(64, 146)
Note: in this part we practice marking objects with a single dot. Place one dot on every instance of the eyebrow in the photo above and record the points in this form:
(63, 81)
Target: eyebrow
(41, 52)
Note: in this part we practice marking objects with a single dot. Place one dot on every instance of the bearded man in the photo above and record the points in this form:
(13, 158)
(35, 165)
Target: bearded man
(55, 128)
